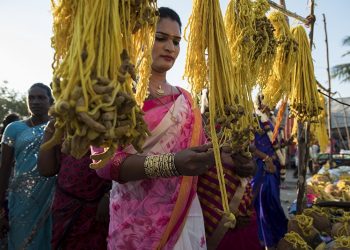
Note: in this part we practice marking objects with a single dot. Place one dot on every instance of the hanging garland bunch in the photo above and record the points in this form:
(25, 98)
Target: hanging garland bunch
(319, 130)
(305, 103)
(265, 44)
(279, 84)
(240, 30)
(196, 67)
(229, 112)
(97, 44)
(143, 16)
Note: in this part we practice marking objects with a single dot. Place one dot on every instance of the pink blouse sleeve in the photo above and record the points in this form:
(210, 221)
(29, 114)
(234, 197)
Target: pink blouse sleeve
(111, 170)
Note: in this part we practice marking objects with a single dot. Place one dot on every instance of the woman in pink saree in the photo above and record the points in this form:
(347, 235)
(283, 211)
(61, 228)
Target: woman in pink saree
(149, 211)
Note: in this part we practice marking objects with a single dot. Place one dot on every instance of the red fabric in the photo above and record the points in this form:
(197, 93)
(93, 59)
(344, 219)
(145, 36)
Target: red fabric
(78, 193)
(117, 159)
(210, 197)
(244, 238)
(152, 103)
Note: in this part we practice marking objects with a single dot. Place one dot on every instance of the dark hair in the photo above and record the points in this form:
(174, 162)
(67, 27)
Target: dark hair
(165, 12)
(8, 119)
(44, 87)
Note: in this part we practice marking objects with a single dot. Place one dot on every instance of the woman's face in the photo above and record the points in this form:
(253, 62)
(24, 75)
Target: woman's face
(166, 46)
(38, 101)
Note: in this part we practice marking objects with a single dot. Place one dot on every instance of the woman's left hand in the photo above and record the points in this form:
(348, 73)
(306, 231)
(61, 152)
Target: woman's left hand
(102, 214)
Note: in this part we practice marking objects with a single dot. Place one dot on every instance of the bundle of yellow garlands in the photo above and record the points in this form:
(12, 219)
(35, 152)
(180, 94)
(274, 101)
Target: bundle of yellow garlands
(226, 57)
(279, 83)
(305, 230)
(97, 45)
(319, 130)
(304, 101)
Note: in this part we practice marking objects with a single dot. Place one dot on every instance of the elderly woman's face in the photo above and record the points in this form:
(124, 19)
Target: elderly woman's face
(166, 45)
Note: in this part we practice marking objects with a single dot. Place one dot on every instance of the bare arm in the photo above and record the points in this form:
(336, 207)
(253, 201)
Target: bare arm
(49, 160)
(132, 169)
(270, 166)
(7, 163)
(260, 154)
(189, 162)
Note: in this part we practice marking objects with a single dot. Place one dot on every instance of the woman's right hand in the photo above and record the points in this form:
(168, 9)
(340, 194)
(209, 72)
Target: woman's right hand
(4, 227)
(195, 161)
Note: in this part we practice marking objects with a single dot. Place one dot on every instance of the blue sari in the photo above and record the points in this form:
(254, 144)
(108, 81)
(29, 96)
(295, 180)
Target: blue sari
(272, 222)
(30, 195)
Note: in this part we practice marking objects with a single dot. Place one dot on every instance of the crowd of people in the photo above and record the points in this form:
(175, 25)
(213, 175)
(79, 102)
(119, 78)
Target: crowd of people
(165, 198)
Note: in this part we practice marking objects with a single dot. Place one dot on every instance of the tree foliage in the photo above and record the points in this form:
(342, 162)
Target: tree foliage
(11, 101)
(342, 71)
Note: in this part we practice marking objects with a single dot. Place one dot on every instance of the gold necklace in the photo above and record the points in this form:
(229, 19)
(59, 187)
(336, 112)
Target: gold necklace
(159, 91)
(172, 117)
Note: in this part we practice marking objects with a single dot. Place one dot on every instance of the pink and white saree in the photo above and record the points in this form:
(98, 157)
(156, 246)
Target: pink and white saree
(159, 213)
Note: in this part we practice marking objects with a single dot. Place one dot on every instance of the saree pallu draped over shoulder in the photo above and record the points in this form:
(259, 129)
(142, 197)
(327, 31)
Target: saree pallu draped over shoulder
(151, 213)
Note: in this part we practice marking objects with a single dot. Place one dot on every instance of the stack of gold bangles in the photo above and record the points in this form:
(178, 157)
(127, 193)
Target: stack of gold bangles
(160, 166)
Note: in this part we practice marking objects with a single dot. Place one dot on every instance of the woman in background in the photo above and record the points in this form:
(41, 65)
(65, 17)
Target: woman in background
(80, 207)
(272, 222)
(30, 195)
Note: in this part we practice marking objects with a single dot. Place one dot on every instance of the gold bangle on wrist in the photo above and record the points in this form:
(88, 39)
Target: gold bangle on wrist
(160, 166)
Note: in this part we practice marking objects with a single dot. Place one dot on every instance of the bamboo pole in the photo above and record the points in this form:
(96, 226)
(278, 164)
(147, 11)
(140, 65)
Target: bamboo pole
(286, 12)
(303, 140)
(329, 94)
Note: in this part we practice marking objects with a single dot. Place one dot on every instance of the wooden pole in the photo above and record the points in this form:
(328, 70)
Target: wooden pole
(329, 94)
(282, 8)
(303, 140)
(312, 24)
